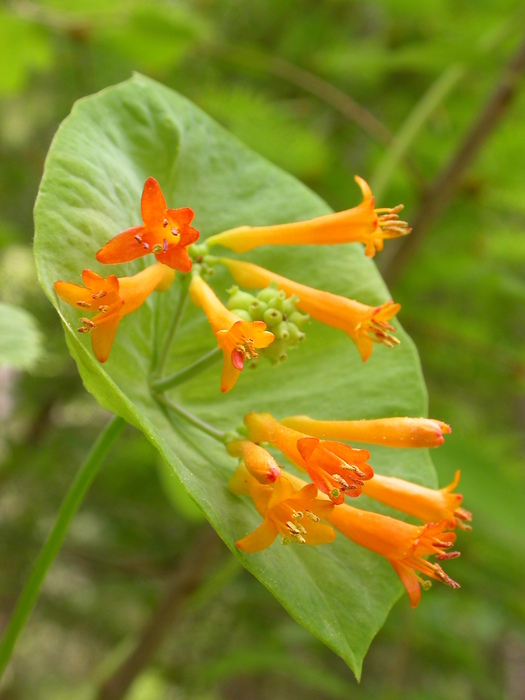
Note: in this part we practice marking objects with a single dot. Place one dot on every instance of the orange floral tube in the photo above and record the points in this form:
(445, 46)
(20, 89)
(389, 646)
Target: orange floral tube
(402, 544)
(364, 324)
(361, 224)
(429, 505)
(238, 339)
(390, 432)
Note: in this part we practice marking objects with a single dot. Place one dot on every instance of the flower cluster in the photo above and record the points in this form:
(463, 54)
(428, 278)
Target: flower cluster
(269, 323)
(294, 509)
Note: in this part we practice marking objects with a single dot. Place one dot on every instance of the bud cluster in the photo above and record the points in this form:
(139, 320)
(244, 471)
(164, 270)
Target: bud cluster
(280, 314)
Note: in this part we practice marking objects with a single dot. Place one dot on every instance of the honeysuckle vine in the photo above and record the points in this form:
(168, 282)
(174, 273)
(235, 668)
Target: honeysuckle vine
(249, 326)
(266, 324)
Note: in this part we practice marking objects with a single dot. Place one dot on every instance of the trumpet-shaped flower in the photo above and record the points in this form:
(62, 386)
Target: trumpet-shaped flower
(335, 468)
(390, 432)
(258, 461)
(429, 505)
(238, 339)
(404, 545)
(363, 224)
(294, 514)
(165, 232)
(111, 298)
(364, 324)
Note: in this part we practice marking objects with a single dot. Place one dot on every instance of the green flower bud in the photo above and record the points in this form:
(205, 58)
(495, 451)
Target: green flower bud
(298, 318)
(296, 336)
(281, 331)
(272, 317)
(289, 304)
(257, 309)
(271, 291)
(239, 299)
(275, 352)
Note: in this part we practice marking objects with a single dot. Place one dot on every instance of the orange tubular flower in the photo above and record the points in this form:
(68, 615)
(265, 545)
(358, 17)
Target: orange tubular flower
(362, 224)
(112, 298)
(165, 232)
(404, 545)
(259, 462)
(390, 432)
(238, 339)
(364, 324)
(335, 468)
(429, 505)
(295, 515)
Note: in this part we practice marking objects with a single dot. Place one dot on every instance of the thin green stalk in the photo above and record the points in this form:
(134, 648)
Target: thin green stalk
(188, 372)
(402, 142)
(48, 553)
(216, 434)
(175, 321)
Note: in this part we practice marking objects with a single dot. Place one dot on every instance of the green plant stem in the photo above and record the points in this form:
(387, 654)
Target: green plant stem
(48, 553)
(216, 434)
(188, 372)
(175, 321)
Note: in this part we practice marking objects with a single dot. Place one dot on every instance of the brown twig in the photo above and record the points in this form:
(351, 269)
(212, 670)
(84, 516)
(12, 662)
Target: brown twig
(445, 186)
(193, 569)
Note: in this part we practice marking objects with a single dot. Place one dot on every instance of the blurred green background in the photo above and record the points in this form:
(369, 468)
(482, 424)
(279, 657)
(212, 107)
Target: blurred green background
(417, 98)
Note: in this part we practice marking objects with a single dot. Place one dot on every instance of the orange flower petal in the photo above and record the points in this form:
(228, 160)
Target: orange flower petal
(259, 539)
(103, 335)
(176, 257)
(153, 205)
(124, 247)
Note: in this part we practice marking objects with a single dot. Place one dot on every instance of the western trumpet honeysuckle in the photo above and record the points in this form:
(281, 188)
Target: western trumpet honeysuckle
(335, 468)
(404, 545)
(390, 432)
(361, 224)
(111, 298)
(165, 232)
(364, 324)
(294, 514)
(238, 339)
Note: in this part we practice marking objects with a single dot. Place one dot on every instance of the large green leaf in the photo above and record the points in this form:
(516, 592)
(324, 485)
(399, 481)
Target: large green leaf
(90, 191)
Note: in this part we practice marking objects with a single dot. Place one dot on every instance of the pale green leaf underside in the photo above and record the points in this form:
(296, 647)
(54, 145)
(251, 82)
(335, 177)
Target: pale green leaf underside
(90, 191)
(20, 338)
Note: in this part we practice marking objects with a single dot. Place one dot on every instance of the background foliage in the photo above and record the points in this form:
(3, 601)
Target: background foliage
(318, 89)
